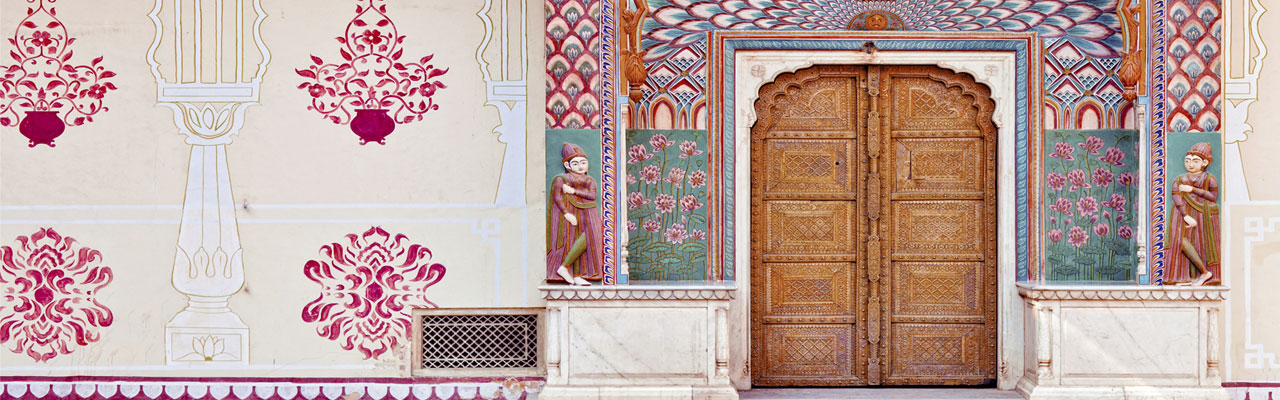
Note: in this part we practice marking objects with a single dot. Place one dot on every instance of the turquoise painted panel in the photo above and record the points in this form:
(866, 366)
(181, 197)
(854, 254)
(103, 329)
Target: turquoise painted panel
(1090, 201)
(667, 205)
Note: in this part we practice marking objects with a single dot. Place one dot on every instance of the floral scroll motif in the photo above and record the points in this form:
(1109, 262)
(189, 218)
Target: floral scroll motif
(49, 285)
(666, 205)
(372, 76)
(1090, 194)
(53, 91)
(368, 287)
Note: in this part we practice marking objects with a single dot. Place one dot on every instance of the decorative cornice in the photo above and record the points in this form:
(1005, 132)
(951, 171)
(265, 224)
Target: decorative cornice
(638, 292)
(31, 388)
(1123, 293)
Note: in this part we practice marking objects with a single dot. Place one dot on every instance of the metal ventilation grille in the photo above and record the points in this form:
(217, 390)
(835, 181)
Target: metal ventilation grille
(479, 341)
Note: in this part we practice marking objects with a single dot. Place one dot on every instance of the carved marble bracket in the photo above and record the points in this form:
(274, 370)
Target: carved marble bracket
(638, 341)
(1091, 342)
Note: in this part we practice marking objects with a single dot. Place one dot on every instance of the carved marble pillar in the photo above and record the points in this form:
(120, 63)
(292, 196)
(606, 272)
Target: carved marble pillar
(208, 73)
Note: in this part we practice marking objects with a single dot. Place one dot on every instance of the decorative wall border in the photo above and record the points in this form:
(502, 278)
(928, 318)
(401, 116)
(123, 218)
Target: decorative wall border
(148, 388)
(1155, 147)
(724, 45)
(1255, 230)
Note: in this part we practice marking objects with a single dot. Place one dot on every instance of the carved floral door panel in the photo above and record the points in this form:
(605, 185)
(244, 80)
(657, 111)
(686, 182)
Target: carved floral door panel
(873, 212)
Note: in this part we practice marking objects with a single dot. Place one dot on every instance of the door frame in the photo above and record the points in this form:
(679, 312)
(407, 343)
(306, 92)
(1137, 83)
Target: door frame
(748, 69)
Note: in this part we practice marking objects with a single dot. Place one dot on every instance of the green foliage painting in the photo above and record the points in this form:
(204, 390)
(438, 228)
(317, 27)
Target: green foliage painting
(1091, 185)
(666, 204)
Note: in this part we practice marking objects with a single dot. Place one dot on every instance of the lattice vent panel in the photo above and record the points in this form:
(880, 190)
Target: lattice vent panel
(479, 341)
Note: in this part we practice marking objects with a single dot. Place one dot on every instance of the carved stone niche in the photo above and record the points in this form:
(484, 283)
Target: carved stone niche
(1121, 342)
(667, 341)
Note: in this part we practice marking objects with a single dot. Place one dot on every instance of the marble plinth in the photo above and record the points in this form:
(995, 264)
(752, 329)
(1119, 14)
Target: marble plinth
(638, 341)
(1127, 342)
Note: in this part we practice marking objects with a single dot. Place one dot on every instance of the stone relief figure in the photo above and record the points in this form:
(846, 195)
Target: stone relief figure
(1193, 223)
(574, 229)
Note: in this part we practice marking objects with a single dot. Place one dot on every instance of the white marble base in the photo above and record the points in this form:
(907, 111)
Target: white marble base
(637, 341)
(1130, 342)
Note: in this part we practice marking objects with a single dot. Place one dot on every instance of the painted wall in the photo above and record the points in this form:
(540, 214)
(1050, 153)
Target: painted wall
(300, 211)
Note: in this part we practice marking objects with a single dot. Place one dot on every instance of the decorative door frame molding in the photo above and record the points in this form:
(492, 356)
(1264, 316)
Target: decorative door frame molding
(750, 60)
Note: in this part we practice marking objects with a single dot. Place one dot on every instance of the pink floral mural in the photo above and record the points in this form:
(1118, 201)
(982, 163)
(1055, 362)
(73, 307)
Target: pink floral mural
(1089, 195)
(368, 288)
(49, 284)
(373, 88)
(50, 90)
(666, 205)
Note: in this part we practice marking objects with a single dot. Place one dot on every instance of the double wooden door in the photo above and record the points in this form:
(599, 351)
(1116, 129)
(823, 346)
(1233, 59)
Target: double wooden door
(873, 223)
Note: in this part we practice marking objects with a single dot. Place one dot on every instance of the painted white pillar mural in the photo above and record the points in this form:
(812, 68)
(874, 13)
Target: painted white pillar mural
(505, 82)
(208, 59)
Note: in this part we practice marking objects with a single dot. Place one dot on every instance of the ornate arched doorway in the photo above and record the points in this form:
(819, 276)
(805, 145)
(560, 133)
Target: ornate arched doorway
(873, 229)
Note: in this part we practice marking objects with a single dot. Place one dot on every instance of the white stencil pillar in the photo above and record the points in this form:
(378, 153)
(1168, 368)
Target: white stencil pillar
(505, 79)
(199, 57)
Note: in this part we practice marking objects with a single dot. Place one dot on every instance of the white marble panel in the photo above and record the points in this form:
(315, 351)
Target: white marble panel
(661, 344)
(1111, 344)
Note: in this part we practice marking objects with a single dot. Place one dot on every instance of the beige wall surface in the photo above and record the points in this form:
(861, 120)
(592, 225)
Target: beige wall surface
(300, 182)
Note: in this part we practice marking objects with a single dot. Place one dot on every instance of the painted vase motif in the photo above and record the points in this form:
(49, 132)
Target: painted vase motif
(372, 125)
(41, 127)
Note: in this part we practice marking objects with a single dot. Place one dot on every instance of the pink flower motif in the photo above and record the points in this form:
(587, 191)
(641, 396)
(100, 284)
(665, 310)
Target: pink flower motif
(698, 178)
(651, 174)
(41, 38)
(1116, 202)
(675, 175)
(1125, 232)
(1087, 205)
(652, 225)
(1056, 181)
(368, 288)
(49, 285)
(636, 200)
(1101, 230)
(631, 225)
(659, 142)
(675, 234)
(665, 203)
(1078, 180)
(1102, 177)
(371, 36)
(689, 149)
(1055, 235)
(1077, 236)
(689, 203)
(1092, 144)
(698, 234)
(1125, 179)
(1063, 150)
(638, 153)
(631, 179)
(1063, 205)
(1113, 156)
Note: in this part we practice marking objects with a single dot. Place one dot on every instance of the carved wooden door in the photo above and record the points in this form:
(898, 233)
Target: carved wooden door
(873, 226)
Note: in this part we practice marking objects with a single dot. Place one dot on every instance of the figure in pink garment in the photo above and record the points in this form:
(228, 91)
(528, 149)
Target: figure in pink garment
(1193, 223)
(574, 229)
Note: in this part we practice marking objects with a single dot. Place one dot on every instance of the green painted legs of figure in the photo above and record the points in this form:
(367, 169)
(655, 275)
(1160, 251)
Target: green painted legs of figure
(1190, 251)
(575, 251)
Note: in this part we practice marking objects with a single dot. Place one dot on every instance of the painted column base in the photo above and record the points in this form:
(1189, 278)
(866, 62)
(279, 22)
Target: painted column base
(1121, 342)
(200, 338)
(638, 341)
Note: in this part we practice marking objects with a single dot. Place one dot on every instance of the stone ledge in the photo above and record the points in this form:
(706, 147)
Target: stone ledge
(639, 292)
(1127, 292)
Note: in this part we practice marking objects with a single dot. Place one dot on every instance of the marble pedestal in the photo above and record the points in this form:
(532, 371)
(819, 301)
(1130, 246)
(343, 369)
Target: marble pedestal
(638, 341)
(1121, 342)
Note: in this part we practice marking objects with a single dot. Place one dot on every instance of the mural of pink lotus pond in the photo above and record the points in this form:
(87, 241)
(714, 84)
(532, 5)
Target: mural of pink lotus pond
(49, 89)
(374, 87)
(1091, 184)
(369, 285)
(666, 204)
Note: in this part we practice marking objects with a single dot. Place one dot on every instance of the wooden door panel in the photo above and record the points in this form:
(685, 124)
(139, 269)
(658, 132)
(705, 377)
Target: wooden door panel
(929, 353)
(808, 289)
(805, 229)
(811, 353)
(939, 229)
(872, 228)
(809, 168)
(930, 167)
(937, 290)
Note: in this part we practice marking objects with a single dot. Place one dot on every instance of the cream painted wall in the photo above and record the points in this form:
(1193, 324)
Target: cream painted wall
(300, 182)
